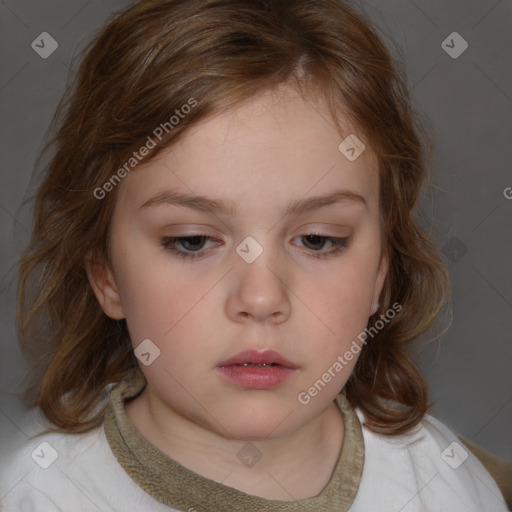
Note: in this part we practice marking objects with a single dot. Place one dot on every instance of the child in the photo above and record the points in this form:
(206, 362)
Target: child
(225, 275)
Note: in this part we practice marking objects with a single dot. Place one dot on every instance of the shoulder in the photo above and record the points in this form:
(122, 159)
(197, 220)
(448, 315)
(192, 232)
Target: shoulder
(426, 469)
(55, 472)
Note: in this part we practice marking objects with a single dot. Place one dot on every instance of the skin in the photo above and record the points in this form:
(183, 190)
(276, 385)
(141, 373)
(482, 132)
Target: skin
(275, 148)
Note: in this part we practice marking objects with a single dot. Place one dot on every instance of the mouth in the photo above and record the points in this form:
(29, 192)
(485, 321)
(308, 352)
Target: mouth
(257, 370)
(255, 359)
(258, 365)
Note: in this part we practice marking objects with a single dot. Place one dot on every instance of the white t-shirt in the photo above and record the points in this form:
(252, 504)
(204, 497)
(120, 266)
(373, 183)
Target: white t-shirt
(79, 473)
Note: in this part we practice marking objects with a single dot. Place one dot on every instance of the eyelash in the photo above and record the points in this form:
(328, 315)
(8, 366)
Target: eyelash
(169, 244)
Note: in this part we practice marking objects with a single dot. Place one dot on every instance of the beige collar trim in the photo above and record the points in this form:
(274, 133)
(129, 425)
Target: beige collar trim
(174, 485)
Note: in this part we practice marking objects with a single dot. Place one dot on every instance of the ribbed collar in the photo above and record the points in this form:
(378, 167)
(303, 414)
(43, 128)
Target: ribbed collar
(172, 484)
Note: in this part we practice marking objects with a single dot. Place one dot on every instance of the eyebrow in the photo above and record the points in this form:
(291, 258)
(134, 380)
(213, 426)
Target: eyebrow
(228, 207)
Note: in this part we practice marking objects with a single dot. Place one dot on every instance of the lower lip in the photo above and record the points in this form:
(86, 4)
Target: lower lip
(256, 377)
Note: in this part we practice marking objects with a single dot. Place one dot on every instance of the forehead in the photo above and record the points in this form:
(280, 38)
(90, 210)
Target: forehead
(276, 146)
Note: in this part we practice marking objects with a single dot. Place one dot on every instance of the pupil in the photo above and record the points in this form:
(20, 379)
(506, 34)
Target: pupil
(193, 240)
(317, 239)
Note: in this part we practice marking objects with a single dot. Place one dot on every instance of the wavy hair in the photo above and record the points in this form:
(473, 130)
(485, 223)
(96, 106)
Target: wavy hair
(148, 61)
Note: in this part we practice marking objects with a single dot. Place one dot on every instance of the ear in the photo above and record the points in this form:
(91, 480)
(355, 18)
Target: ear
(104, 286)
(380, 278)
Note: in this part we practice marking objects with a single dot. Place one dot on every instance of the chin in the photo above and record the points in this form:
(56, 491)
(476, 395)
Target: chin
(252, 432)
(257, 424)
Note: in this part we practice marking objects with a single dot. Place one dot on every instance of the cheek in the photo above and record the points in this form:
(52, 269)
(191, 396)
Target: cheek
(345, 293)
(155, 295)
(162, 308)
(337, 308)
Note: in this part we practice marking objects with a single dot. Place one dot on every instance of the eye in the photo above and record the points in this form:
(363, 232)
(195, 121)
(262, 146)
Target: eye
(316, 242)
(191, 246)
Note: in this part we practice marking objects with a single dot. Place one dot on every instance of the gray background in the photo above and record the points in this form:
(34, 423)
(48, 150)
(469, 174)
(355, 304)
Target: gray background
(467, 102)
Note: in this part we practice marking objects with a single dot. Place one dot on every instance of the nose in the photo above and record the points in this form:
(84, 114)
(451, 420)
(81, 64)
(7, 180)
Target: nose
(260, 291)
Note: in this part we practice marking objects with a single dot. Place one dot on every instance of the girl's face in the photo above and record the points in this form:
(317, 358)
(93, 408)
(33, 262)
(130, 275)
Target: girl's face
(284, 255)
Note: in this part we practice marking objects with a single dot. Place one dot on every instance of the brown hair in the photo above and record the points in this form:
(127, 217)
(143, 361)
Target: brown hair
(147, 62)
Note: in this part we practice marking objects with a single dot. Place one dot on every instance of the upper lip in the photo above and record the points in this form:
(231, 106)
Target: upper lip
(255, 357)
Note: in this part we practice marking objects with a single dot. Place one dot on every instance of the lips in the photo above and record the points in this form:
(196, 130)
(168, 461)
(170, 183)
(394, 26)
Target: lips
(257, 370)
(261, 359)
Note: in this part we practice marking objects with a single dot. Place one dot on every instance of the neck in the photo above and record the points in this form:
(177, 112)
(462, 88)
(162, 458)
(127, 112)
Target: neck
(294, 466)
